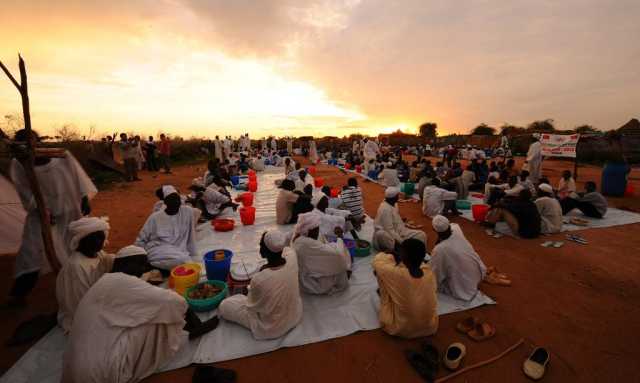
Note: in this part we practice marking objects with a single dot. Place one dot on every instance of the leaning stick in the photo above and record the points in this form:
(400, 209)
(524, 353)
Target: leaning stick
(29, 165)
(480, 364)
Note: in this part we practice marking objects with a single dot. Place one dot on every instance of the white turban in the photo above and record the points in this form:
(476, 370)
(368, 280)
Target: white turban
(129, 251)
(391, 192)
(275, 240)
(167, 190)
(85, 226)
(546, 188)
(440, 223)
(307, 222)
(536, 136)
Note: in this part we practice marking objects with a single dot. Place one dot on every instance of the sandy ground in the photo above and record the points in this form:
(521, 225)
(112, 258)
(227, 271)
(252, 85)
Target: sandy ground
(581, 302)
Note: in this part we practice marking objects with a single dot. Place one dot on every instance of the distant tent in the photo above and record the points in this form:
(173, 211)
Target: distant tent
(12, 216)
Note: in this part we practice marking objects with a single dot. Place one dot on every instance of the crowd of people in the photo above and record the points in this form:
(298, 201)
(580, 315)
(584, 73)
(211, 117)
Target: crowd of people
(122, 328)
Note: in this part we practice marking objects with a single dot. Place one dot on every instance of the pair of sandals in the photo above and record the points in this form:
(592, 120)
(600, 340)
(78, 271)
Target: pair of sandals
(494, 277)
(577, 239)
(494, 234)
(554, 244)
(476, 329)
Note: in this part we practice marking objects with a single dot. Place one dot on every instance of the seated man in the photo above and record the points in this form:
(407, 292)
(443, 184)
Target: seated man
(456, 265)
(168, 236)
(273, 305)
(389, 228)
(519, 213)
(330, 218)
(590, 203)
(408, 303)
(125, 329)
(352, 200)
(549, 209)
(216, 204)
(389, 176)
(257, 164)
(84, 267)
(436, 200)
(288, 203)
(324, 267)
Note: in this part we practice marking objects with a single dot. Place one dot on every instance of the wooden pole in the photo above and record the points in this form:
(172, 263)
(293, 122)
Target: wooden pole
(28, 163)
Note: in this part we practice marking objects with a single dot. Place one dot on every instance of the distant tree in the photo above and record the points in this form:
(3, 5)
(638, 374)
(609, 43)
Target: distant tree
(586, 129)
(483, 130)
(429, 130)
(511, 130)
(67, 132)
(541, 126)
(12, 123)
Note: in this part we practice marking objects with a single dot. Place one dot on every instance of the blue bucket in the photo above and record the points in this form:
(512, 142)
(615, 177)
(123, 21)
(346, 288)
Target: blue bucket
(372, 174)
(217, 270)
(235, 180)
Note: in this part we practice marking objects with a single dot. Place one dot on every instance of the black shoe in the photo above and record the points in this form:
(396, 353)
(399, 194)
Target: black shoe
(210, 374)
(431, 354)
(422, 366)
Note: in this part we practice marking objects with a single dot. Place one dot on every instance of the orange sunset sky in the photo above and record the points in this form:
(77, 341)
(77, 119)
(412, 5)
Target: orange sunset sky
(325, 67)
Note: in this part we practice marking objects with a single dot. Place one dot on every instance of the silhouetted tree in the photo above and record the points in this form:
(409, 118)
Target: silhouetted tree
(542, 126)
(429, 130)
(586, 129)
(483, 130)
(511, 130)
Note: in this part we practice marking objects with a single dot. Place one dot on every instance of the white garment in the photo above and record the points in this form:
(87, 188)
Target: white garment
(124, 330)
(63, 184)
(534, 161)
(433, 198)
(213, 200)
(169, 239)
(313, 152)
(550, 215)
(457, 266)
(323, 266)
(274, 144)
(328, 222)
(218, 148)
(389, 178)
(290, 146)
(371, 150)
(273, 305)
(76, 278)
(389, 228)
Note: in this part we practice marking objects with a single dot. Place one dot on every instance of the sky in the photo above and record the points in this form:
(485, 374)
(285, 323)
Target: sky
(199, 68)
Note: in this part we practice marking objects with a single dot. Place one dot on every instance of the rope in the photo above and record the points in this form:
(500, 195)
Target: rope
(480, 364)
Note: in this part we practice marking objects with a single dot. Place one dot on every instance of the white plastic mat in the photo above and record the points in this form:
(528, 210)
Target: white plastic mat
(324, 317)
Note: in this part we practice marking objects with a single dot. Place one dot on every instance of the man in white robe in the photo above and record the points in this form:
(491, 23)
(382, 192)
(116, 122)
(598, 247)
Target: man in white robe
(216, 204)
(550, 210)
(389, 226)
(289, 146)
(227, 146)
(84, 267)
(324, 267)
(456, 265)
(389, 176)
(329, 218)
(533, 163)
(168, 235)
(274, 144)
(66, 190)
(313, 152)
(125, 329)
(273, 305)
(217, 144)
(371, 150)
(435, 199)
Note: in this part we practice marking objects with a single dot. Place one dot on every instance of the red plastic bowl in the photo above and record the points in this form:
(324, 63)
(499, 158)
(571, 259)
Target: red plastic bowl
(223, 224)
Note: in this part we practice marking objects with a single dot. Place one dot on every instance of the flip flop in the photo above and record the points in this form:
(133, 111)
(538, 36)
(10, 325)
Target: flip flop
(497, 279)
(467, 325)
(498, 235)
(558, 244)
(482, 331)
(490, 232)
(547, 244)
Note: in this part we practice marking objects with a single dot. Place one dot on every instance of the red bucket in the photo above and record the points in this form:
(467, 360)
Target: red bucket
(253, 186)
(311, 170)
(247, 199)
(251, 172)
(319, 182)
(358, 168)
(248, 215)
(347, 166)
(628, 191)
(335, 192)
(479, 212)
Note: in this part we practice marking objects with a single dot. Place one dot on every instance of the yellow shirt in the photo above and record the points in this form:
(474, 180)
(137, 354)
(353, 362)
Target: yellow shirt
(408, 306)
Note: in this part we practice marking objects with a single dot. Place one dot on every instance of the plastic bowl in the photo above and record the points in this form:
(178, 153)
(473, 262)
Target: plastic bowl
(362, 251)
(462, 204)
(207, 304)
(223, 224)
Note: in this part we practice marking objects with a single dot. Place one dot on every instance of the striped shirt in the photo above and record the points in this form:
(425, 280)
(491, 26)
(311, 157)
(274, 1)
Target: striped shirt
(352, 199)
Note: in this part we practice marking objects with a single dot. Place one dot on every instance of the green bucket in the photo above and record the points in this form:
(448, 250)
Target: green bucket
(463, 204)
(408, 188)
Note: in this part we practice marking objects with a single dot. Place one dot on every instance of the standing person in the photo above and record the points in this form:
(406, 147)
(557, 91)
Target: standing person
(165, 153)
(274, 144)
(150, 148)
(289, 146)
(217, 145)
(128, 152)
(66, 190)
(227, 146)
(408, 302)
(313, 152)
(371, 150)
(533, 163)
(139, 153)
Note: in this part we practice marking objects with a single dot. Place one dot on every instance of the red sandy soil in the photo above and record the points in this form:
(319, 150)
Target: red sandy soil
(580, 302)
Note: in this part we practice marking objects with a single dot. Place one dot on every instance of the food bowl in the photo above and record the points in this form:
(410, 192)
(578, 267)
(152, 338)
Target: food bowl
(209, 303)
(362, 249)
(223, 224)
(463, 204)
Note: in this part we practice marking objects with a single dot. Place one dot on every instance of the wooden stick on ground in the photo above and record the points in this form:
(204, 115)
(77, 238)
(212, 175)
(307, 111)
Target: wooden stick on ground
(28, 164)
(480, 364)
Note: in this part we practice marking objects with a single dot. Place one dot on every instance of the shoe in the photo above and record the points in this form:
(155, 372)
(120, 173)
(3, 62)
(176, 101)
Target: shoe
(421, 365)
(535, 366)
(431, 354)
(207, 374)
(454, 355)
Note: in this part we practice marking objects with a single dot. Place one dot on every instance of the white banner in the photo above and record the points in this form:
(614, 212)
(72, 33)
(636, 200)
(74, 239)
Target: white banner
(556, 145)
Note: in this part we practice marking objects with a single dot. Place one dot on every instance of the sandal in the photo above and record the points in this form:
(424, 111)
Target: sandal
(467, 325)
(535, 365)
(497, 279)
(482, 331)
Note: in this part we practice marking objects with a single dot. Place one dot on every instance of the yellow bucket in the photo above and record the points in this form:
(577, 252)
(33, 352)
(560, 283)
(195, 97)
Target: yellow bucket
(181, 283)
